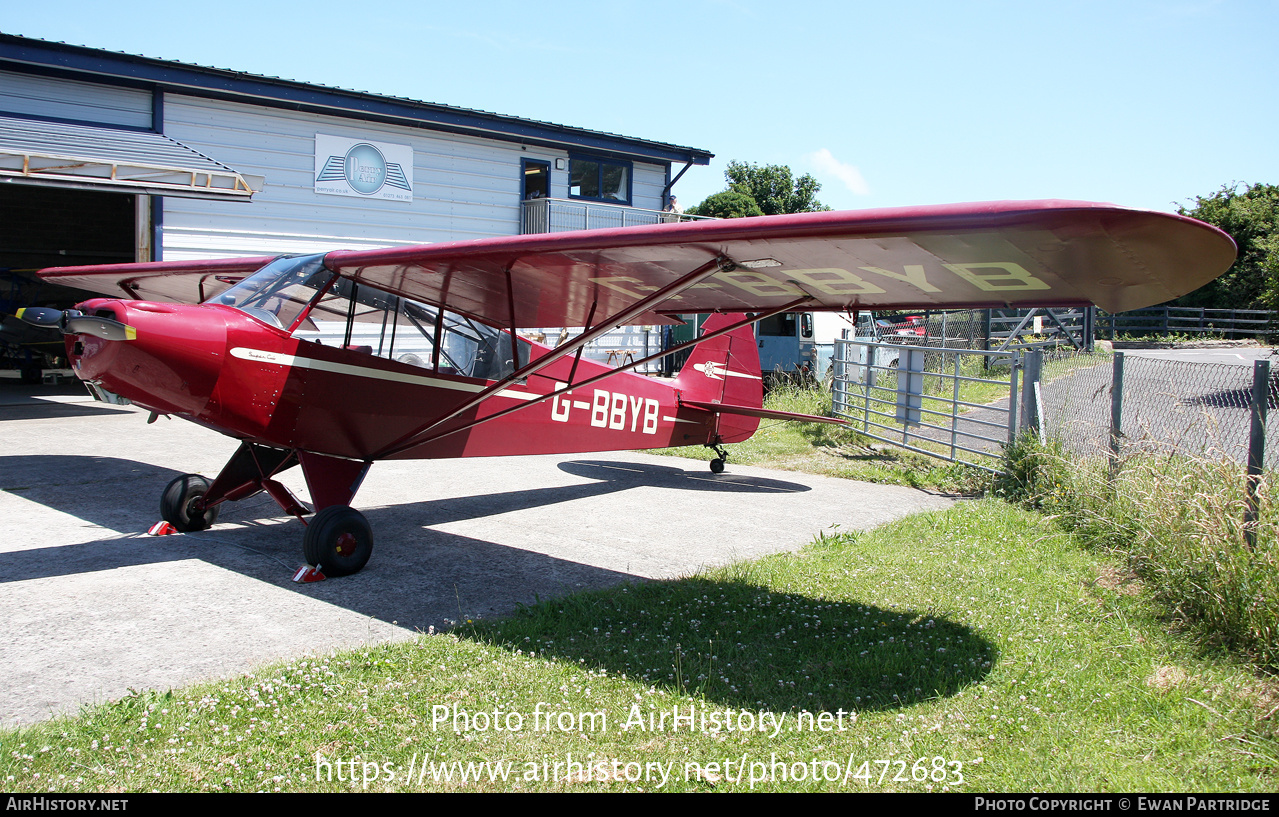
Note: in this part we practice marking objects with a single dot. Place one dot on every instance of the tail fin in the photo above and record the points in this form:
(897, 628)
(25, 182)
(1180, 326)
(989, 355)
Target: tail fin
(725, 370)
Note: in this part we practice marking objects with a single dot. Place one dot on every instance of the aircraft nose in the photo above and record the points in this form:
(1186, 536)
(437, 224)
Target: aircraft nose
(167, 358)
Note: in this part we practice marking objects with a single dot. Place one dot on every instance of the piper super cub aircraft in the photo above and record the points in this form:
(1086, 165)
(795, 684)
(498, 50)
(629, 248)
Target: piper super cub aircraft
(336, 360)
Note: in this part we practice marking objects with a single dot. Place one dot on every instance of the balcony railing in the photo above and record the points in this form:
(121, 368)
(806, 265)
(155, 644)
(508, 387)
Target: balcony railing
(561, 215)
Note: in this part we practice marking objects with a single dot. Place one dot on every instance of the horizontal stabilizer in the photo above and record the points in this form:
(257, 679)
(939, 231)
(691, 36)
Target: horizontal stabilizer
(768, 414)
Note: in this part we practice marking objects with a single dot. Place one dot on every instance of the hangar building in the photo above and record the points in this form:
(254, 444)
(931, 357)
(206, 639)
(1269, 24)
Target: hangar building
(111, 157)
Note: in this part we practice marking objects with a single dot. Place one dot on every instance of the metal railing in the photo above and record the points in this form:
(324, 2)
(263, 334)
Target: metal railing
(925, 409)
(561, 215)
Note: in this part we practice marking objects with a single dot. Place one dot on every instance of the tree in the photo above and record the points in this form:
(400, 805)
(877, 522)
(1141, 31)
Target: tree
(728, 204)
(771, 188)
(1251, 218)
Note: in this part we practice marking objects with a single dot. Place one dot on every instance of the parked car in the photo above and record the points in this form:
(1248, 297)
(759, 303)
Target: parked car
(911, 325)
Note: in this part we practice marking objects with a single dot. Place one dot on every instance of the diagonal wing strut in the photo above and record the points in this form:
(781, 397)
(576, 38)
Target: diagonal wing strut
(590, 381)
(717, 264)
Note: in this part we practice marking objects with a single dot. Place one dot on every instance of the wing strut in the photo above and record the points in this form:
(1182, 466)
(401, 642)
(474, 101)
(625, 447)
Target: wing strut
(439, 321)
(590, 381)
(717, 264)
(577, 358)
(510, 303)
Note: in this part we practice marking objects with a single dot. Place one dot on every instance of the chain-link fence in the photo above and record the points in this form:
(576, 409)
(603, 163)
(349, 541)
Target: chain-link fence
(1195, 409)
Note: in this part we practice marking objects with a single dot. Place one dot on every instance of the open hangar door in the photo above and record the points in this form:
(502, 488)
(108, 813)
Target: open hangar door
(73, 194)
(50, 226)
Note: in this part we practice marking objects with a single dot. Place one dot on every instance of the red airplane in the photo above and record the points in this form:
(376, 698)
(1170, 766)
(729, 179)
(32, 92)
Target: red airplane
(333, 361)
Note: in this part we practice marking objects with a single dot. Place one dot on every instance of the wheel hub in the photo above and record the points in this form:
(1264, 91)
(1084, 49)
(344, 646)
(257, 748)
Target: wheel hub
(346, 544)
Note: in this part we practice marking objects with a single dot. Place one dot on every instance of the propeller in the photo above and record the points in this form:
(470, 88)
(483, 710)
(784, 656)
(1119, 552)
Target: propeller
(74, 322)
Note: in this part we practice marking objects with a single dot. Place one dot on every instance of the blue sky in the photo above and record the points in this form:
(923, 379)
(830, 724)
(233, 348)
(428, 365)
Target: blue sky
(1141, 103)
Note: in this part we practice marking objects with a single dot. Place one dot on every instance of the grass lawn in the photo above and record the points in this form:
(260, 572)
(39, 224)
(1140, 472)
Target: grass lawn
(971, 650)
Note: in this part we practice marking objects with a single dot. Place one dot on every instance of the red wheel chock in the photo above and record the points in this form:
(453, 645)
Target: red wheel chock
(307, 574)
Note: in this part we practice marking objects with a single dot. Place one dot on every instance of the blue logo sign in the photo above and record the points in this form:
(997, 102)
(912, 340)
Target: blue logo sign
(365, 169)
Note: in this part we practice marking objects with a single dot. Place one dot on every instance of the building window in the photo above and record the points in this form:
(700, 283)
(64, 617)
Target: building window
(599, 179)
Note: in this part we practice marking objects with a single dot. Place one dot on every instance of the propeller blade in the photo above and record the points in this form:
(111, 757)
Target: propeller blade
(41, 316)
(101, 327)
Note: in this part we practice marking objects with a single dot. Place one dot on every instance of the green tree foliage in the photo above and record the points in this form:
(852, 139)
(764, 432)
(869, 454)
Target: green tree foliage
(771, 188)
(1251, 217)
(728, 204)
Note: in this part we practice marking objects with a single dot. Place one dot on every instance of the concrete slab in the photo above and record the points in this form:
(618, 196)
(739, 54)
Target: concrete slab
(94, 607)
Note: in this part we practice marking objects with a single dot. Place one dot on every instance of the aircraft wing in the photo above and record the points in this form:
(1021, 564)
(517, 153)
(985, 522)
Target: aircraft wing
(182, 282)
(995, 254)
(1039, 253)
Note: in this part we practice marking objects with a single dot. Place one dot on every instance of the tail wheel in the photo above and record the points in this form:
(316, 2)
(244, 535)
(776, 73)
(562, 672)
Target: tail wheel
(177, 504)
(338, 541)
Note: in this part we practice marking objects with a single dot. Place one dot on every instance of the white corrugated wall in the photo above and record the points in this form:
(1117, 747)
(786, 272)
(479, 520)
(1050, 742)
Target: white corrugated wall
(463, 187)
(31, 95)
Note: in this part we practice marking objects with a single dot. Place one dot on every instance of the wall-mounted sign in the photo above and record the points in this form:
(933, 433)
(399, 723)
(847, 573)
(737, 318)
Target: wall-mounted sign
(368, 170)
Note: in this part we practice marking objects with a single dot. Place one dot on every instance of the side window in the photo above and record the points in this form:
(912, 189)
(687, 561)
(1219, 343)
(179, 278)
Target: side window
(359, 318)
(600, 179)
(537, 179)
(778, 326)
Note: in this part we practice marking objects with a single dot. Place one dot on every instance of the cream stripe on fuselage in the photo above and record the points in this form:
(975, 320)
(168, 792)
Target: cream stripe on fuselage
(260, 356)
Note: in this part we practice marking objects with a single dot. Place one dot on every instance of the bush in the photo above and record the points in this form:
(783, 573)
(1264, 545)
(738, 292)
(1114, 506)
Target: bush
(1033, 474)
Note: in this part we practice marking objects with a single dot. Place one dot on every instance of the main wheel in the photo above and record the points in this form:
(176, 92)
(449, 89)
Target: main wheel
(717, 466)
(338, 541)
(177, 504)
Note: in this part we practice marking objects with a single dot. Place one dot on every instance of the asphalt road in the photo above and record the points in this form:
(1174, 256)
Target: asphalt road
(1237, 356)
(93, 607)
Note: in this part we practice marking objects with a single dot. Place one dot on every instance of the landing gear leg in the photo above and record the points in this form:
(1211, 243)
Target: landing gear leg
(717, 464)
(338, 539)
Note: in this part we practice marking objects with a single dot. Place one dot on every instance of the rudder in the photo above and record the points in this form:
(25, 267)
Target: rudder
(725, 370)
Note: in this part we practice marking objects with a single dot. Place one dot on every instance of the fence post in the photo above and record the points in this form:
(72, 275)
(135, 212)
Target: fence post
(1116, 412)
(1256, 446)
(1031, 419)
(1014, 365)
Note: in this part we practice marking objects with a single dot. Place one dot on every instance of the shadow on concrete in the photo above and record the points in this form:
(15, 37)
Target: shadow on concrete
(627, 474)
(33, 408)
(38, 401)
(419, 576)
(735, 643)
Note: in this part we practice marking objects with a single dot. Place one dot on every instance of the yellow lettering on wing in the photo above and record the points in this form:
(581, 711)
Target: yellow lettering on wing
(835, 281)
(617, 283)
(1000, 276)
(912, 274)
(757, 283)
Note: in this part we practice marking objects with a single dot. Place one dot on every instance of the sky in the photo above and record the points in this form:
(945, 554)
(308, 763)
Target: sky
(1142, 103)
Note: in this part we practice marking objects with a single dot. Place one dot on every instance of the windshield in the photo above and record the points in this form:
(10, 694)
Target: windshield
(277, 293)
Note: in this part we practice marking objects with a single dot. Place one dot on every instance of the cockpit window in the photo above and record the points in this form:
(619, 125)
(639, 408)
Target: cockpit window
(277, 293)
(300, 294)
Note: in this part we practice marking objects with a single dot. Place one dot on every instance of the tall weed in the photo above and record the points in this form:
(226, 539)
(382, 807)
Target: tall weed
(1179, 521)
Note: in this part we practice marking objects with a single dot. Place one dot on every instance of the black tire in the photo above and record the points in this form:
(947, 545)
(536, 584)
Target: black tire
(175, 504)
(32, 374)
(338, 541)
(717, 466)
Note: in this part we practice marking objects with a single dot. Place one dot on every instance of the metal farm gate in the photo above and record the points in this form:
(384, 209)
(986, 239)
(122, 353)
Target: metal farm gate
(955, 404)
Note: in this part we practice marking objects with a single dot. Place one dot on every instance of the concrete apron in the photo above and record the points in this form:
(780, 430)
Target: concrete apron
(95, 607)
